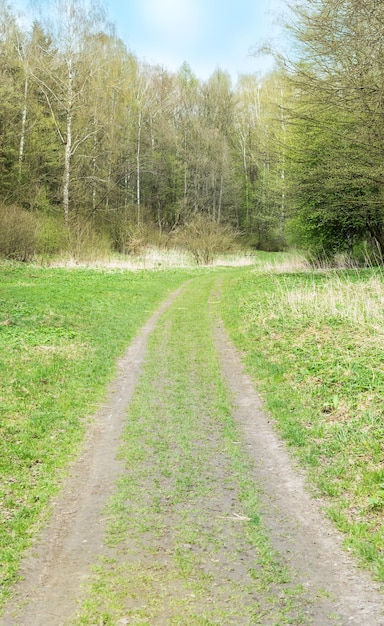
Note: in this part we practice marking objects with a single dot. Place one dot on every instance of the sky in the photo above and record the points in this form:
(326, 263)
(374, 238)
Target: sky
(207, 34)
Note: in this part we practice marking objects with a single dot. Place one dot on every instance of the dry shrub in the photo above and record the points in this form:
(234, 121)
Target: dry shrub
(19, 231)
(204, 238)
(130, 236)
(86, 242)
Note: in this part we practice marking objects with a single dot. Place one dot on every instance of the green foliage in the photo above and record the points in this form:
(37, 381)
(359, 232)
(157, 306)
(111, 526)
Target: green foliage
(302, 144)
(166, 142)
(332, 196)
(335, 150)
(52, 237)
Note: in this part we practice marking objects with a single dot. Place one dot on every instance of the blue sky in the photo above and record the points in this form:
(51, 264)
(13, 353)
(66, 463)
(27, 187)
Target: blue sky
(206, 33)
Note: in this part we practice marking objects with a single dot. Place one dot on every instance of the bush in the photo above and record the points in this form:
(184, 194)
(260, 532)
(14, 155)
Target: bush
(19, 231)
(52, 237)
(204, 238)
(128, 236)
(87, 243)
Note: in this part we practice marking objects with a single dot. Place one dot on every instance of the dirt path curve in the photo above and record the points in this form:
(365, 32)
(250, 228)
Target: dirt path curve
(299, 531)
(56, 569)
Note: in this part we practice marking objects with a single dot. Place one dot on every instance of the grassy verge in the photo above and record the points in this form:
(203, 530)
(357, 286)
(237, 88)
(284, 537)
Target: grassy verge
(315, 344)
(188, 546)
(61, 333)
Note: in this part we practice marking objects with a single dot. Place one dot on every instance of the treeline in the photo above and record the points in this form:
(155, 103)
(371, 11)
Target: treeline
(100, 149)
(334, 108)
(108, 147)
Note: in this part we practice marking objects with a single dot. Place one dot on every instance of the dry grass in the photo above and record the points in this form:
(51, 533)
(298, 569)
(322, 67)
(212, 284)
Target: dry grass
(281, 262)
(161, 258)
(156, 258)
(151, 258)
(357, 302)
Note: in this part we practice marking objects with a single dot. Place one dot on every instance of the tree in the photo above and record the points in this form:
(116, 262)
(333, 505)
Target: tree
(65, 76)
(260, 156)
(337, 122)
(11, 100)
(94, 135)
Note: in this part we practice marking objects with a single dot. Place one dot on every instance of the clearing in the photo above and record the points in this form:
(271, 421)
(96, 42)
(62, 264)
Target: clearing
(184, 507)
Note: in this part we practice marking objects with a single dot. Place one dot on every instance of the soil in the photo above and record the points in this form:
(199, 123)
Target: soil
(57, 568)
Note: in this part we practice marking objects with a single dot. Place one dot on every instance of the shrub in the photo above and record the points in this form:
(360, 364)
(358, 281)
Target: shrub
(131, 237)
(52, 237)
(86, 242)
(204, 238)
(19, 232)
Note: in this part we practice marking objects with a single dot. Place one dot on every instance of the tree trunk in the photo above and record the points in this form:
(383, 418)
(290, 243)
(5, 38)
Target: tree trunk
(220, 198)
(138, 191)
(245, 166)
(377, 233)
(23, 127)
(127, 178)
(68, 145)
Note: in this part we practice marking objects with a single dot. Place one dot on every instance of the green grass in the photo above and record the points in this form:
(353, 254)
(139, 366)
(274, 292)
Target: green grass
(61, 333)
(175, 540)
(314, 342)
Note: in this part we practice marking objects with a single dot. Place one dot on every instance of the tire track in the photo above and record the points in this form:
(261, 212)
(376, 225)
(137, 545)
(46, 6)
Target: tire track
(56, 568)
(306, 540)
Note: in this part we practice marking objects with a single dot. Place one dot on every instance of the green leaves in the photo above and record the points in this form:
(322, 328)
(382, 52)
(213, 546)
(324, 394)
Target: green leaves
(335, 150)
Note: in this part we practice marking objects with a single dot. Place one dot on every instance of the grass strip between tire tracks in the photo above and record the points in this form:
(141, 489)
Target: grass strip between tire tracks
(312, 341)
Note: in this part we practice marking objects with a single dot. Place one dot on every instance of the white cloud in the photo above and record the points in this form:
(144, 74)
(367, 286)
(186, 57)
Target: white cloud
(180, 19)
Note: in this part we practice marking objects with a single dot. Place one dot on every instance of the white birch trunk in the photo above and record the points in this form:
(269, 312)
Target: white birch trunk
(220, 199)
(68, 145)
(23, 128)
(138, 173)
(245, 166)
(127, 178)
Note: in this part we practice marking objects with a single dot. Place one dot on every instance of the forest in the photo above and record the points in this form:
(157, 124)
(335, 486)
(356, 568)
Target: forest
(99, 150)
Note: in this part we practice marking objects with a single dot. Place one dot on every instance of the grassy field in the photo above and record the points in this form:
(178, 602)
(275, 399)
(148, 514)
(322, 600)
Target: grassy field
(61, 333)
(314, 342)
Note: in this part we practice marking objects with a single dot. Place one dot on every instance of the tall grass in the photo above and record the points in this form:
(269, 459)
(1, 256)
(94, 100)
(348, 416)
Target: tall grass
(359, 302)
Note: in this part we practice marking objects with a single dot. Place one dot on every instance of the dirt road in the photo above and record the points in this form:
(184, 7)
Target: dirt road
(297, 527)
(56, 568)
(56, 571)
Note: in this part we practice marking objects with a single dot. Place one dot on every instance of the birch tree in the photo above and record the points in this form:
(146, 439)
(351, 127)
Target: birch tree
(64, 81)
